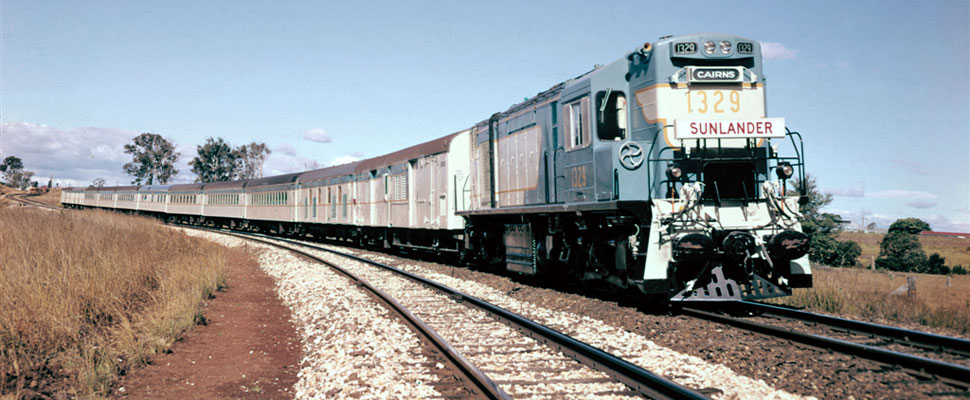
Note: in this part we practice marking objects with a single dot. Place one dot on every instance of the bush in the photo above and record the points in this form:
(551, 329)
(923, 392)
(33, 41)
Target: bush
(936, 264)
(901, 251)
(826, 250)
(847, 253)
(958, 270)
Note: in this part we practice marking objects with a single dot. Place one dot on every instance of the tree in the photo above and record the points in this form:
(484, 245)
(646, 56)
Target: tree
(11, 165)
(251, 160)
(912, 226)
(846, 254)
(901, 251)
(153, 159)
(21, 179)
(14, 174)
(822, 229)
(98, 182)
(217, 161)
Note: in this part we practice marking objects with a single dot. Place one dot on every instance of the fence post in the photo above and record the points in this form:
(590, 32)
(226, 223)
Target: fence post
(911, 287)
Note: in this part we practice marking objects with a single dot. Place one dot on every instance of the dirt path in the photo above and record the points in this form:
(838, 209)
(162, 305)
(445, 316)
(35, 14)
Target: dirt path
(249, 349)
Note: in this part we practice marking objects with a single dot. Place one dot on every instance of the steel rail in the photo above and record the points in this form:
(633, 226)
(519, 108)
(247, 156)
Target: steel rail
(956, 375)
(485, 384)
(22, 199)
(916, 338)
(641, 380)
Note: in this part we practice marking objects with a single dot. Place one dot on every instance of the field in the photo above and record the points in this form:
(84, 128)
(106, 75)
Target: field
(84, 296)
(867, 294)
(954, 249)
(51, 198)
(5, 190)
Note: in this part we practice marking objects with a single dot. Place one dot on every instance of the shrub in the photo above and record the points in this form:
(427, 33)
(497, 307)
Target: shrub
(901, 251)
(936, 264)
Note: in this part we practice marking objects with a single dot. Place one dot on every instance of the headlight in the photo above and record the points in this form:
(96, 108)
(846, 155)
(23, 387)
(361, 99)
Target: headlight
(725, 47)
(674, 173)
(694, 248)
(788, 245)
(709, 47)
(784, 170)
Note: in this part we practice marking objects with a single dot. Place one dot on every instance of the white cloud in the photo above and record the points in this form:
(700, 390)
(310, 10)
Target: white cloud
(285, 148)
(346, 158)
(777, 51)
(848, 192)
(942, 223)
(72, 157)
(902, 194)
(921, 204)
(317, 135)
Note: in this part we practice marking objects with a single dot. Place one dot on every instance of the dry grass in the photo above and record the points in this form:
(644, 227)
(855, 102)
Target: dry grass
(51, 198)
(954, 249)
(86, 295)
(861, 293)
(5, 190)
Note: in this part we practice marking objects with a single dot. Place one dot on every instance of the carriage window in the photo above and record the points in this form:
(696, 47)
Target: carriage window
(611, 115)
(576, 119)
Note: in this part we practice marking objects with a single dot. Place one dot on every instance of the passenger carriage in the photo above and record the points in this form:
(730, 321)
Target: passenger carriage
(224, 201)
(153, 199)
(271, 199)
(126, 197)
(187, 201)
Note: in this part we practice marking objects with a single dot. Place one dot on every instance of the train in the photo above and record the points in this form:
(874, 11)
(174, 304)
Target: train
(659, 174)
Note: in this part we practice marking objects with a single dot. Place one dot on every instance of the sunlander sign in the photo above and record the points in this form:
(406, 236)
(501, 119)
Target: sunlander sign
(729, 129)
(714, 74)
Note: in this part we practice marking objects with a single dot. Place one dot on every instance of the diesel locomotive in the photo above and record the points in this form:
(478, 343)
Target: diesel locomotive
(659, 173)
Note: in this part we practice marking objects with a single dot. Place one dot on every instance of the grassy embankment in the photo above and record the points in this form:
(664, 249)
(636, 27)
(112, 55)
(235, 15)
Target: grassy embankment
(84, 296)
(51, 198)
(865, 293)
(5, 190)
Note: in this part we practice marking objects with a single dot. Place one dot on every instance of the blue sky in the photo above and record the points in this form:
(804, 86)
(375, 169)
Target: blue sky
(879, 89)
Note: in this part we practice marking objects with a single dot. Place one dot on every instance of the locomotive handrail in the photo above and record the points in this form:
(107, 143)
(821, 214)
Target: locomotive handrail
(796, 161)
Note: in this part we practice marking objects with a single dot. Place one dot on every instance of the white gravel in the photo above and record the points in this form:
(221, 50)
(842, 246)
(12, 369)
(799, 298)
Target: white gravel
(684, 369)
(353, 347)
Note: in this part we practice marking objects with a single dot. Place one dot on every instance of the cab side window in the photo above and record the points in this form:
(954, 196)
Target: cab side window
(611, 115)
(576, 121)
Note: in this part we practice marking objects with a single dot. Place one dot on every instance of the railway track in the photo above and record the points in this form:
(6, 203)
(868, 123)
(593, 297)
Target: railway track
(23, 199)
(503, 354)
(795, 323)
(951, 349)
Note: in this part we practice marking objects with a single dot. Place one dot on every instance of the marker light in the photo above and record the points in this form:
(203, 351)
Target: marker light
(784, 170)
(725, 47)
(709, 47)
(674, 173)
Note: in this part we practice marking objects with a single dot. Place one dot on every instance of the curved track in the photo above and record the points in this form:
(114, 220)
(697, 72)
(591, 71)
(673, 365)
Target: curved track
(555, 364)
(23, 199)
